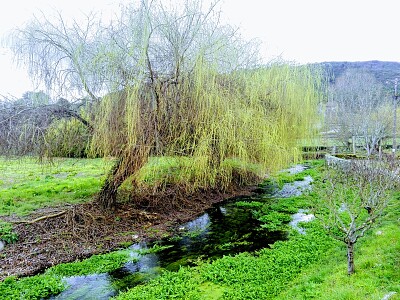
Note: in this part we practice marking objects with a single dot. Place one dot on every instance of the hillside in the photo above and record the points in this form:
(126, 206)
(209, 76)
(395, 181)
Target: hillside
(383, 70)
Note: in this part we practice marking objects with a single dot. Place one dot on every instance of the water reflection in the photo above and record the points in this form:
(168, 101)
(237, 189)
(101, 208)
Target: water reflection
(98, 286)
(301, 216)
(199, 225)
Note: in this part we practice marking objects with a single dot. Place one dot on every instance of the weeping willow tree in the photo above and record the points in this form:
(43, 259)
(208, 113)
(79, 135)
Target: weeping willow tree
(221, 125)
(180, 85)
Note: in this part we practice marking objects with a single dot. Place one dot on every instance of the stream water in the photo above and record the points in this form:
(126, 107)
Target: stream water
(223, 229)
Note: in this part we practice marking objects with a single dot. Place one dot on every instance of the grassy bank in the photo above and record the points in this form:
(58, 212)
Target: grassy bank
(27, 184)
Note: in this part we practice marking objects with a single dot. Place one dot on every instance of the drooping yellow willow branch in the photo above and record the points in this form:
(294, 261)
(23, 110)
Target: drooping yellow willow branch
(213, 127)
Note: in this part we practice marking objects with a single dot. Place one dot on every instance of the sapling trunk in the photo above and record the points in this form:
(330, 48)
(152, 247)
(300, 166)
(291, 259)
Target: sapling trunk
(350, 258)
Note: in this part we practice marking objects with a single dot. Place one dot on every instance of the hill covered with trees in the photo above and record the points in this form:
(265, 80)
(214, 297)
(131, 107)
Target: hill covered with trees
(383, 71)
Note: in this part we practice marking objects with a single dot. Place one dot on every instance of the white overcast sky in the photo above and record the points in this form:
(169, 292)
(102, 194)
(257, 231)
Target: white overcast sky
(297, 30)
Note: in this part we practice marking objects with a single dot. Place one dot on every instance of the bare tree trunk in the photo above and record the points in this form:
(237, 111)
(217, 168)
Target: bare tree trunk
(350, 258)
(354, 144)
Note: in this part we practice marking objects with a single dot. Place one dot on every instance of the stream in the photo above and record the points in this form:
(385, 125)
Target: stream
(224, 229)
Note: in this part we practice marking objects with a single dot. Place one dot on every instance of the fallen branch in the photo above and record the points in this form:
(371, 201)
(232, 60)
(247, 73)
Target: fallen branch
(41, 218)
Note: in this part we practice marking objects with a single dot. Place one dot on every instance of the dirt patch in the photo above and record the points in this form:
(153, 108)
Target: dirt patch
(67, 233)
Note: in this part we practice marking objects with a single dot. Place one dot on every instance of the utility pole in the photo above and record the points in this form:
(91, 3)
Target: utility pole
(394, 119)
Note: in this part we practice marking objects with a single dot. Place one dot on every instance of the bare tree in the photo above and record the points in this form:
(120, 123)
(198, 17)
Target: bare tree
(159, 42)
(24, 122)
(61, 54)
(351, 198)
(20, 124)
(360, 110)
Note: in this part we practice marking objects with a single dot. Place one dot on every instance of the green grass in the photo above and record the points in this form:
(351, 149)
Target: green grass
(27, 185)
(377, 262)
(6, 233)
(163, 171)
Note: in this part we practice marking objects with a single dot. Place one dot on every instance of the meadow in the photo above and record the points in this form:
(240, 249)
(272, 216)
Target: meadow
(26, 184)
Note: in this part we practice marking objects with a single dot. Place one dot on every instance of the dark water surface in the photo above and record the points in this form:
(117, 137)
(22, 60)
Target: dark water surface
(223, 229)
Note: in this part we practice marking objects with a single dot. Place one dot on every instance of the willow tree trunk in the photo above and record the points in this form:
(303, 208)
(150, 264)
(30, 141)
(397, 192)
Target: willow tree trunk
(124, 167)
(108, 193)
(350, 257)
